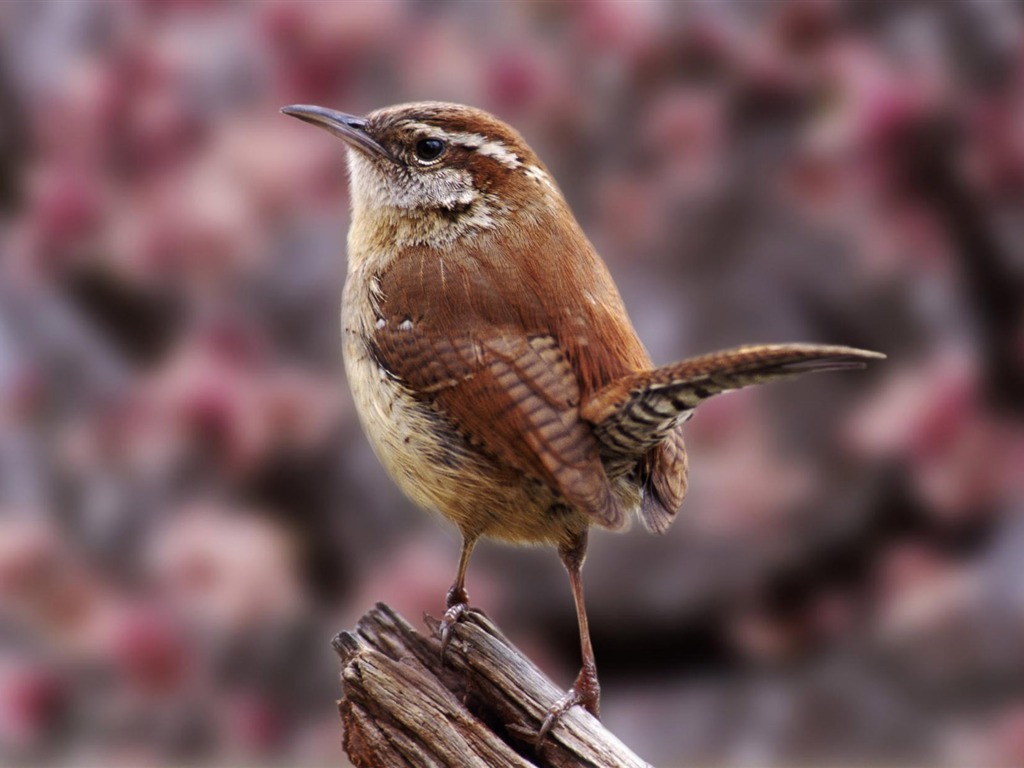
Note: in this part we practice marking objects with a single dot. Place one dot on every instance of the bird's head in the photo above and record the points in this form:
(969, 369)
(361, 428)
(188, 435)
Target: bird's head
(449, 168)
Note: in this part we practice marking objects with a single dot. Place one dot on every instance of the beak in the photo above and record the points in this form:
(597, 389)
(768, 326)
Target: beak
(350, 128)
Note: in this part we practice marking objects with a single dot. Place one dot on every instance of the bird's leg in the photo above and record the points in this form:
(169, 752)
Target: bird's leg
(457, 601)
(585, 690)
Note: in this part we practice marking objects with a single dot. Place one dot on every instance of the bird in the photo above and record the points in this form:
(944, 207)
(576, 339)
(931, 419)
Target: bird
(492, 363)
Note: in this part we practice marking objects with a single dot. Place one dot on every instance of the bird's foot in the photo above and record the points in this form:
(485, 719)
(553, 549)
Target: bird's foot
(457, 603)
(584, 691)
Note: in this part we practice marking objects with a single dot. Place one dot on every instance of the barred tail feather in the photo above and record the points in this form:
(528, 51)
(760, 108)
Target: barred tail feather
(637, 413)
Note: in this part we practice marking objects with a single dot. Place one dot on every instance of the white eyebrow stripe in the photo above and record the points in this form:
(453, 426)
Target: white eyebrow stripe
(431, 131)
(499, 152)
(489, 147)
(535, 173)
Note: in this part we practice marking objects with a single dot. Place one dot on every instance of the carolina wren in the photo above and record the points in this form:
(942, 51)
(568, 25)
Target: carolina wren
(492, 362)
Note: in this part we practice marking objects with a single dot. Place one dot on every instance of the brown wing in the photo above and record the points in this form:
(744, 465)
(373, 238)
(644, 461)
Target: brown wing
(502, 380)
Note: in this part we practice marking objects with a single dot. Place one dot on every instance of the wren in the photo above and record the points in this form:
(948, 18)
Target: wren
(493, 365)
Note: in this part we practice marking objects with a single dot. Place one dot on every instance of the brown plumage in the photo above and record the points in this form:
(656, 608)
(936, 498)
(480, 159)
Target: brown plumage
(491, 359)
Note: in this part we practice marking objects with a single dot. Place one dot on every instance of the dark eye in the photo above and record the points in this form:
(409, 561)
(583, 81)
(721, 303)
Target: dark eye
(429, 149)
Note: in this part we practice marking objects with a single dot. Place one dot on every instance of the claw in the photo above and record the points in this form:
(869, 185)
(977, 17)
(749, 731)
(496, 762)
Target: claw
(585, 691)
(557, 712)
(448, 622)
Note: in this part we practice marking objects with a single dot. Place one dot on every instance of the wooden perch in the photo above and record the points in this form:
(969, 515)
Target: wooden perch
(482, 708)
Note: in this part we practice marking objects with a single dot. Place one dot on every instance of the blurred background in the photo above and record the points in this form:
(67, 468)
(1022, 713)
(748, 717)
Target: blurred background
(189, 511)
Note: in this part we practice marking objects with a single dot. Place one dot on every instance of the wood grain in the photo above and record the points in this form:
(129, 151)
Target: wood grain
(482, 708)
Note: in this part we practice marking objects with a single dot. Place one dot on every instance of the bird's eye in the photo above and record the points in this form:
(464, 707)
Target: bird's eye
(429, 149)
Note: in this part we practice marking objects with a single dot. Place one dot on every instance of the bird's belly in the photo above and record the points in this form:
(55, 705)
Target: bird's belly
(438, 469)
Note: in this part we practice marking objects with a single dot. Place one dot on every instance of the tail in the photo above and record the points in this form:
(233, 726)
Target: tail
(637, 413)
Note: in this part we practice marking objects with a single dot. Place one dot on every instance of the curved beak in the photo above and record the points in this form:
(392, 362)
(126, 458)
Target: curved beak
(350, 128)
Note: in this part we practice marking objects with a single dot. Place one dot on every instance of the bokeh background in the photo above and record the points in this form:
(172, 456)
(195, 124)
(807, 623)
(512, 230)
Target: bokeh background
(189, 511)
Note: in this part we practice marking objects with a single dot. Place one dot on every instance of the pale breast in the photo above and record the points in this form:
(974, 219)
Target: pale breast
(431, 463)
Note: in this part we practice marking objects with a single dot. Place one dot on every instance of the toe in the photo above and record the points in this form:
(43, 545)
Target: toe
(585, 692)
(556, 713)
(451, 618)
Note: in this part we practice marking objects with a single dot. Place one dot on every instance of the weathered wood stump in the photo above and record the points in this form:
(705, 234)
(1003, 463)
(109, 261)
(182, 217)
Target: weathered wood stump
(402, 707)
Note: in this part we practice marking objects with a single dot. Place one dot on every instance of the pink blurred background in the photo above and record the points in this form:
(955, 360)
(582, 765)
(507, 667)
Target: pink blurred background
(189, 511)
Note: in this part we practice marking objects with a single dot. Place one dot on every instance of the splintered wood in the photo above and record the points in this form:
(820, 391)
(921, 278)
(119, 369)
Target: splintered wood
(481, 708)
